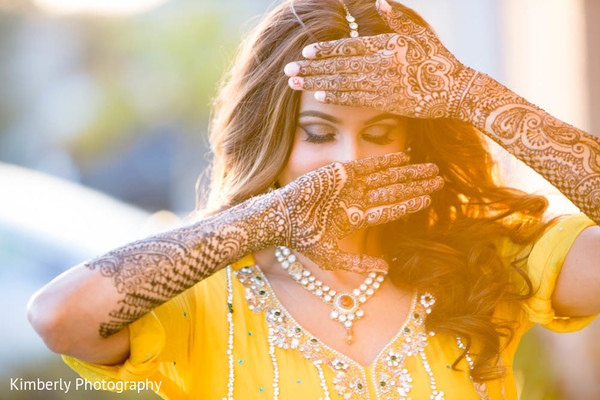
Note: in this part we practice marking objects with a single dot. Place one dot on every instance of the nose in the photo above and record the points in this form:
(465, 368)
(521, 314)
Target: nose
(352, 149)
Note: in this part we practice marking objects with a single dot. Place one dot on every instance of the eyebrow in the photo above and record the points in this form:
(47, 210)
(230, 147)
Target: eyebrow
(331, 118)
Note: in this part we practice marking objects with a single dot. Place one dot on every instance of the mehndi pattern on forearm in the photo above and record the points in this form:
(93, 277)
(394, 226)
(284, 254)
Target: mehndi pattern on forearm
(151, 271)
(567, 157)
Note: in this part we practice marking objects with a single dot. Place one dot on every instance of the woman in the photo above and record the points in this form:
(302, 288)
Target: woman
(354, 244)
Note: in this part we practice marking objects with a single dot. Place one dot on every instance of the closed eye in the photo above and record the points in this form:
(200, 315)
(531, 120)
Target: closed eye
(318, 133)
(379, 134)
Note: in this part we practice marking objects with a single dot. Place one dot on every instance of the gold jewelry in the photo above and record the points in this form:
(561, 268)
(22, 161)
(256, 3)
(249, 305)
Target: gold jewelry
(345, 306)
(351, 21)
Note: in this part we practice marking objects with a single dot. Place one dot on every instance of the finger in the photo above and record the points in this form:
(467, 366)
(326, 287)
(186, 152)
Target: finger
(400, 18)
(384, 214)
(402, 191)
(400, 174)
(342, 82)
(372, 164)
(347, 47)
(337, 65)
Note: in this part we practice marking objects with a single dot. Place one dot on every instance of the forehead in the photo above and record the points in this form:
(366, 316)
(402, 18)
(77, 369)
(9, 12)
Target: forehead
(348, 114)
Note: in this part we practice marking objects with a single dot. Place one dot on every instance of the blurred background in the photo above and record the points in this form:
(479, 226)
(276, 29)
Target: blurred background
(104, 106)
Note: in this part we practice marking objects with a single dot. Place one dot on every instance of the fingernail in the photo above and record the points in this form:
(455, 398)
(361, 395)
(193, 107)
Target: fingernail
(291, 69)
(319, 96)
(309, 51)
(384, 5)
(295, 82)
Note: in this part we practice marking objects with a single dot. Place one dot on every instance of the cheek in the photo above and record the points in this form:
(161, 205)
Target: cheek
(304, 158)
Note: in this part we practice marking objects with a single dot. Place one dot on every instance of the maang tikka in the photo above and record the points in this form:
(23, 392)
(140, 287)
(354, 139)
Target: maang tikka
(351, 21)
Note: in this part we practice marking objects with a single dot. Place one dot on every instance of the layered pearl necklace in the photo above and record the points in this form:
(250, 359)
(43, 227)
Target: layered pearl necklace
(345, 306)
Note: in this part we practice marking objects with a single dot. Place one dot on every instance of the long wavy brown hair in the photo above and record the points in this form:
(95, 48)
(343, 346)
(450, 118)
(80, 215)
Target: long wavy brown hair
(451, 249)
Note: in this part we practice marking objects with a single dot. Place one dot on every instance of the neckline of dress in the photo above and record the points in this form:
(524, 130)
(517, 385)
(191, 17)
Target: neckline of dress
(337, 352)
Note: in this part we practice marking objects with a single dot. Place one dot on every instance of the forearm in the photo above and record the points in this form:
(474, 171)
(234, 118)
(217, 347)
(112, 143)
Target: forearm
(567, 157)
(148, 272)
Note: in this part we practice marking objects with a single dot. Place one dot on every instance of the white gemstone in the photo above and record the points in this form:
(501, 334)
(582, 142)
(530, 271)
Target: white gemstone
(295, 343)
(292, 258)
(360, 313)
(318, 283)
(353, 25)
(353, 34)
(363, 287)
(286, 251)
(311, 278)
(376, 285)
(342, 318)
(285, 265)
(332, 292)
(356, 292)
(372, 274)
(348, 324)
(369, 291)
(318, 292)
(326, 288)
(311, 286)
(304, 281)
(306, 273)
(380, 279)
(368, 281)
(351, 317)
(362, 299)
(350, 18)
(327, 297)
(334, 314)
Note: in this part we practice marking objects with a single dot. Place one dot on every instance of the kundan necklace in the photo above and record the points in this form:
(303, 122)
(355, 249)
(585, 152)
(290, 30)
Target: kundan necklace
(345, 306)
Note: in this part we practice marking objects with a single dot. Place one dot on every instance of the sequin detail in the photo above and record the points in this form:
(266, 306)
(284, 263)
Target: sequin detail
(391, 377)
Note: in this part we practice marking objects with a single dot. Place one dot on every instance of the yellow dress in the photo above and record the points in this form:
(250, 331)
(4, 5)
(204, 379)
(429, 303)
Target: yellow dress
(184, 342)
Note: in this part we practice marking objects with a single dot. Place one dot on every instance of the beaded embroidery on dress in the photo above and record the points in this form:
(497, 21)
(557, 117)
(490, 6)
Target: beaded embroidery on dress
(393, 379)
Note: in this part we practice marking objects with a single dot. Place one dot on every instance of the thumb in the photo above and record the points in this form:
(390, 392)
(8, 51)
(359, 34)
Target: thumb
(400, 18)
(361, 263)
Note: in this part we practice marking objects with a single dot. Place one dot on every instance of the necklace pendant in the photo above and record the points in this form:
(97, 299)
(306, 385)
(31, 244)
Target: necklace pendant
(349, 336)
(345, 307)
(345, 303)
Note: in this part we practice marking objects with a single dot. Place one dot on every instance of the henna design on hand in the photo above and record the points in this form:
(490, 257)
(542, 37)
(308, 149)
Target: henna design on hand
(408, 72)
(340, 198)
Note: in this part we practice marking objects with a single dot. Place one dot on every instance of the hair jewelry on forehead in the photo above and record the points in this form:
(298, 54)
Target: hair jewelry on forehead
(351, 21)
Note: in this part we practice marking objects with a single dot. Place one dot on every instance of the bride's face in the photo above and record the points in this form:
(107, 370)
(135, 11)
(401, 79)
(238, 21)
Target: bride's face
(328, 133)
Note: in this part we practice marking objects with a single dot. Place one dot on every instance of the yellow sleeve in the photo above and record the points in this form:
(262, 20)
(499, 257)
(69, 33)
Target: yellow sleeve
(543, 267)
(152, 357)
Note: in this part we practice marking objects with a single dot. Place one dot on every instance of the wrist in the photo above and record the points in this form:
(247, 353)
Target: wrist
(459, 94)
(261, 221)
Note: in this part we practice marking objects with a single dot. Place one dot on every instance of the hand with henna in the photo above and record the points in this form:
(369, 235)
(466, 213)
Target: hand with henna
(340, 198)
(309, 214)
(408, 72)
